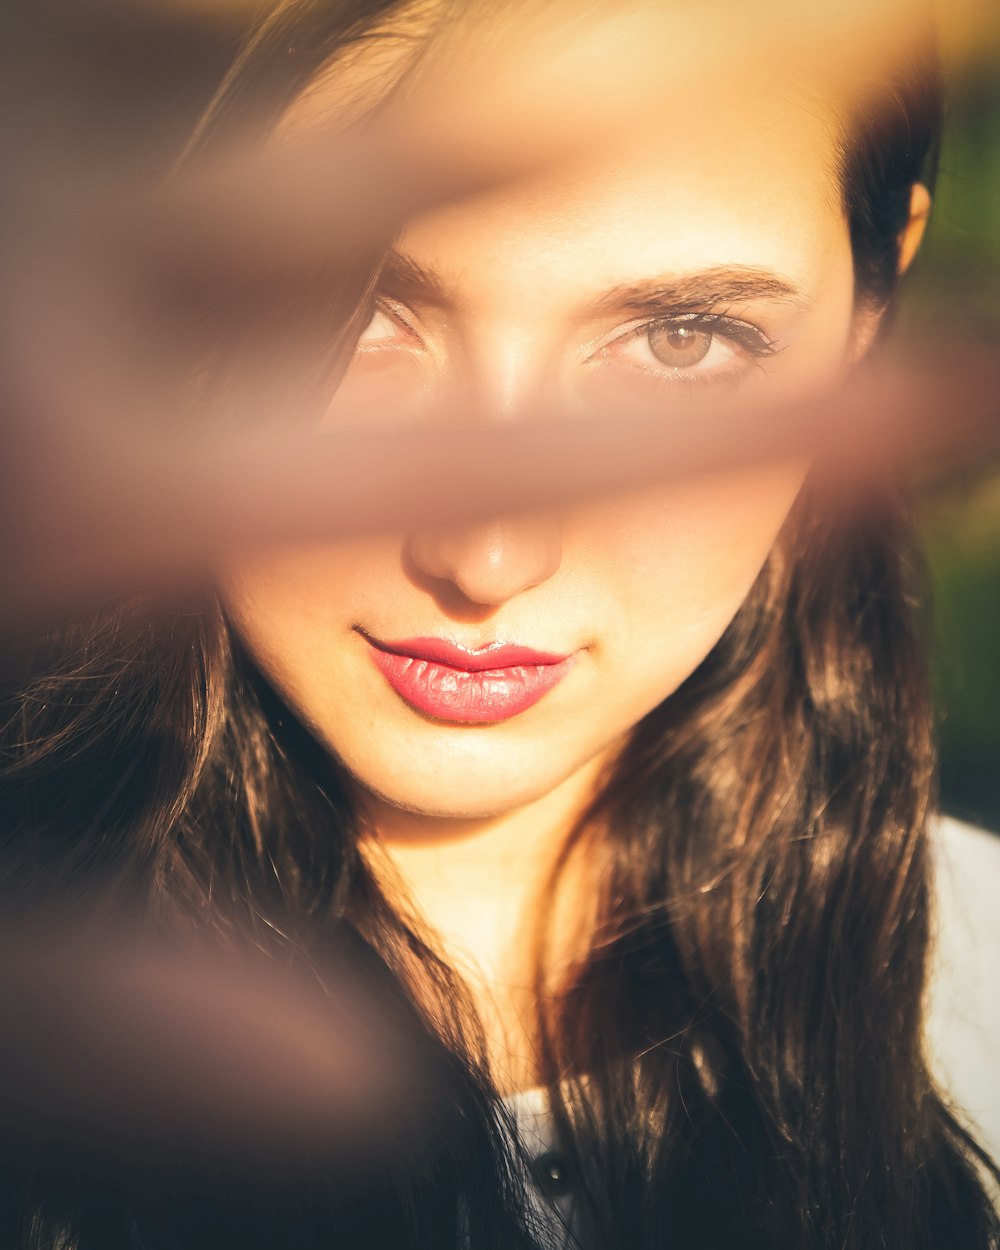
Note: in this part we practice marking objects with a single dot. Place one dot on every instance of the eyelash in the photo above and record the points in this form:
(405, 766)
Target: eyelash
(747, 337)
(395, 312)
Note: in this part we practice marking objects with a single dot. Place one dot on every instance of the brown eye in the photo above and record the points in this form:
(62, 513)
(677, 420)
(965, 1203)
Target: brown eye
(678, 346)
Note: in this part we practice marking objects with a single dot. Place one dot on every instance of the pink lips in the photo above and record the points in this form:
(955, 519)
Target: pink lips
(453, 683)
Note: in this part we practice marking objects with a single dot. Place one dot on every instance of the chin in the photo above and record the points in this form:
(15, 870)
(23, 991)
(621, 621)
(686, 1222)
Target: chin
(460, 808)
(454, 789)
(456, 802)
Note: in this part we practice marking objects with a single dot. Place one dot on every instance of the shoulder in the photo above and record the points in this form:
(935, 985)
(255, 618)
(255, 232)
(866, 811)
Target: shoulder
(963, 1023)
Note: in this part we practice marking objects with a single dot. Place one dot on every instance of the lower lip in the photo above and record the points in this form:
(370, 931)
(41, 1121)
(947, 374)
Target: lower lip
(452, 694)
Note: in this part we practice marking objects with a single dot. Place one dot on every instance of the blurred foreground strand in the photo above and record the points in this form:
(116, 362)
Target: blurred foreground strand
(96, 505)
(106, 486)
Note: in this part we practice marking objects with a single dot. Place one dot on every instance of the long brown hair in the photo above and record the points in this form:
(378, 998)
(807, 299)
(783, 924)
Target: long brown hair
(738, 1059)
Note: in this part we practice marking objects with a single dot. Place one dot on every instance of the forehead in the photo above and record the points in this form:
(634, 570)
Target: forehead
(674, 195)
(716, 173)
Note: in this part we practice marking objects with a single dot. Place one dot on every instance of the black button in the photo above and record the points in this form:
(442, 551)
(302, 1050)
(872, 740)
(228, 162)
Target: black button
(551, 1174)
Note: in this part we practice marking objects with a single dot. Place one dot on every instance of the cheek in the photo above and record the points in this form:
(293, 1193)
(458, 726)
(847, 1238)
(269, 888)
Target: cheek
(677, 563)
(292, 607)
(648, 582)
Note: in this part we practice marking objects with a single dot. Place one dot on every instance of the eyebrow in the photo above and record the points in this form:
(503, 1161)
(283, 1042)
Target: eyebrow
(403, 276)
(708, 288)
(694, 292)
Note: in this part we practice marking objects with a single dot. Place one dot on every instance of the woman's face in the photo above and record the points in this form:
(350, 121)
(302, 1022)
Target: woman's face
(706, 249)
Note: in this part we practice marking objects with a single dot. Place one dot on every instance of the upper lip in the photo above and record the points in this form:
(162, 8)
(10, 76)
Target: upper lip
(471, 660)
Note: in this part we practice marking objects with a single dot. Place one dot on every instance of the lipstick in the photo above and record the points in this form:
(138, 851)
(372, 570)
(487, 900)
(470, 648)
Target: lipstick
(465, 686)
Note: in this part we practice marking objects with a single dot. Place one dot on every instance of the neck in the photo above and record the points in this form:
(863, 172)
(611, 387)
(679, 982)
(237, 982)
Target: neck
(478, 883)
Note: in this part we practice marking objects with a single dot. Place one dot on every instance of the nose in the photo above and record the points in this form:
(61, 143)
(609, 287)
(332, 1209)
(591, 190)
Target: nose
(502, 380)
(490, 562)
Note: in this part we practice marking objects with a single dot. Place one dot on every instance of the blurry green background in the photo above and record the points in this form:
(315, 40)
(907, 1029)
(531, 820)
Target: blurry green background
(960, 519)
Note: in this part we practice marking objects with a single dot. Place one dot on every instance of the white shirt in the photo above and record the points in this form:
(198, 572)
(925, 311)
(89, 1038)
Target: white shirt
(963, 1026)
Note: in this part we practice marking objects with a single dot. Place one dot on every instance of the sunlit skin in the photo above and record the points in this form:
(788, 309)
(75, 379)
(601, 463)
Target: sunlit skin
(545, 290)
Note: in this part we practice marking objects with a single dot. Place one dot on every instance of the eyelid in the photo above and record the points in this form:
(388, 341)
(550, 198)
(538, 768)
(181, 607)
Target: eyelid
(745, 335)
(398, 312)
(751, 338)
(396, 309)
